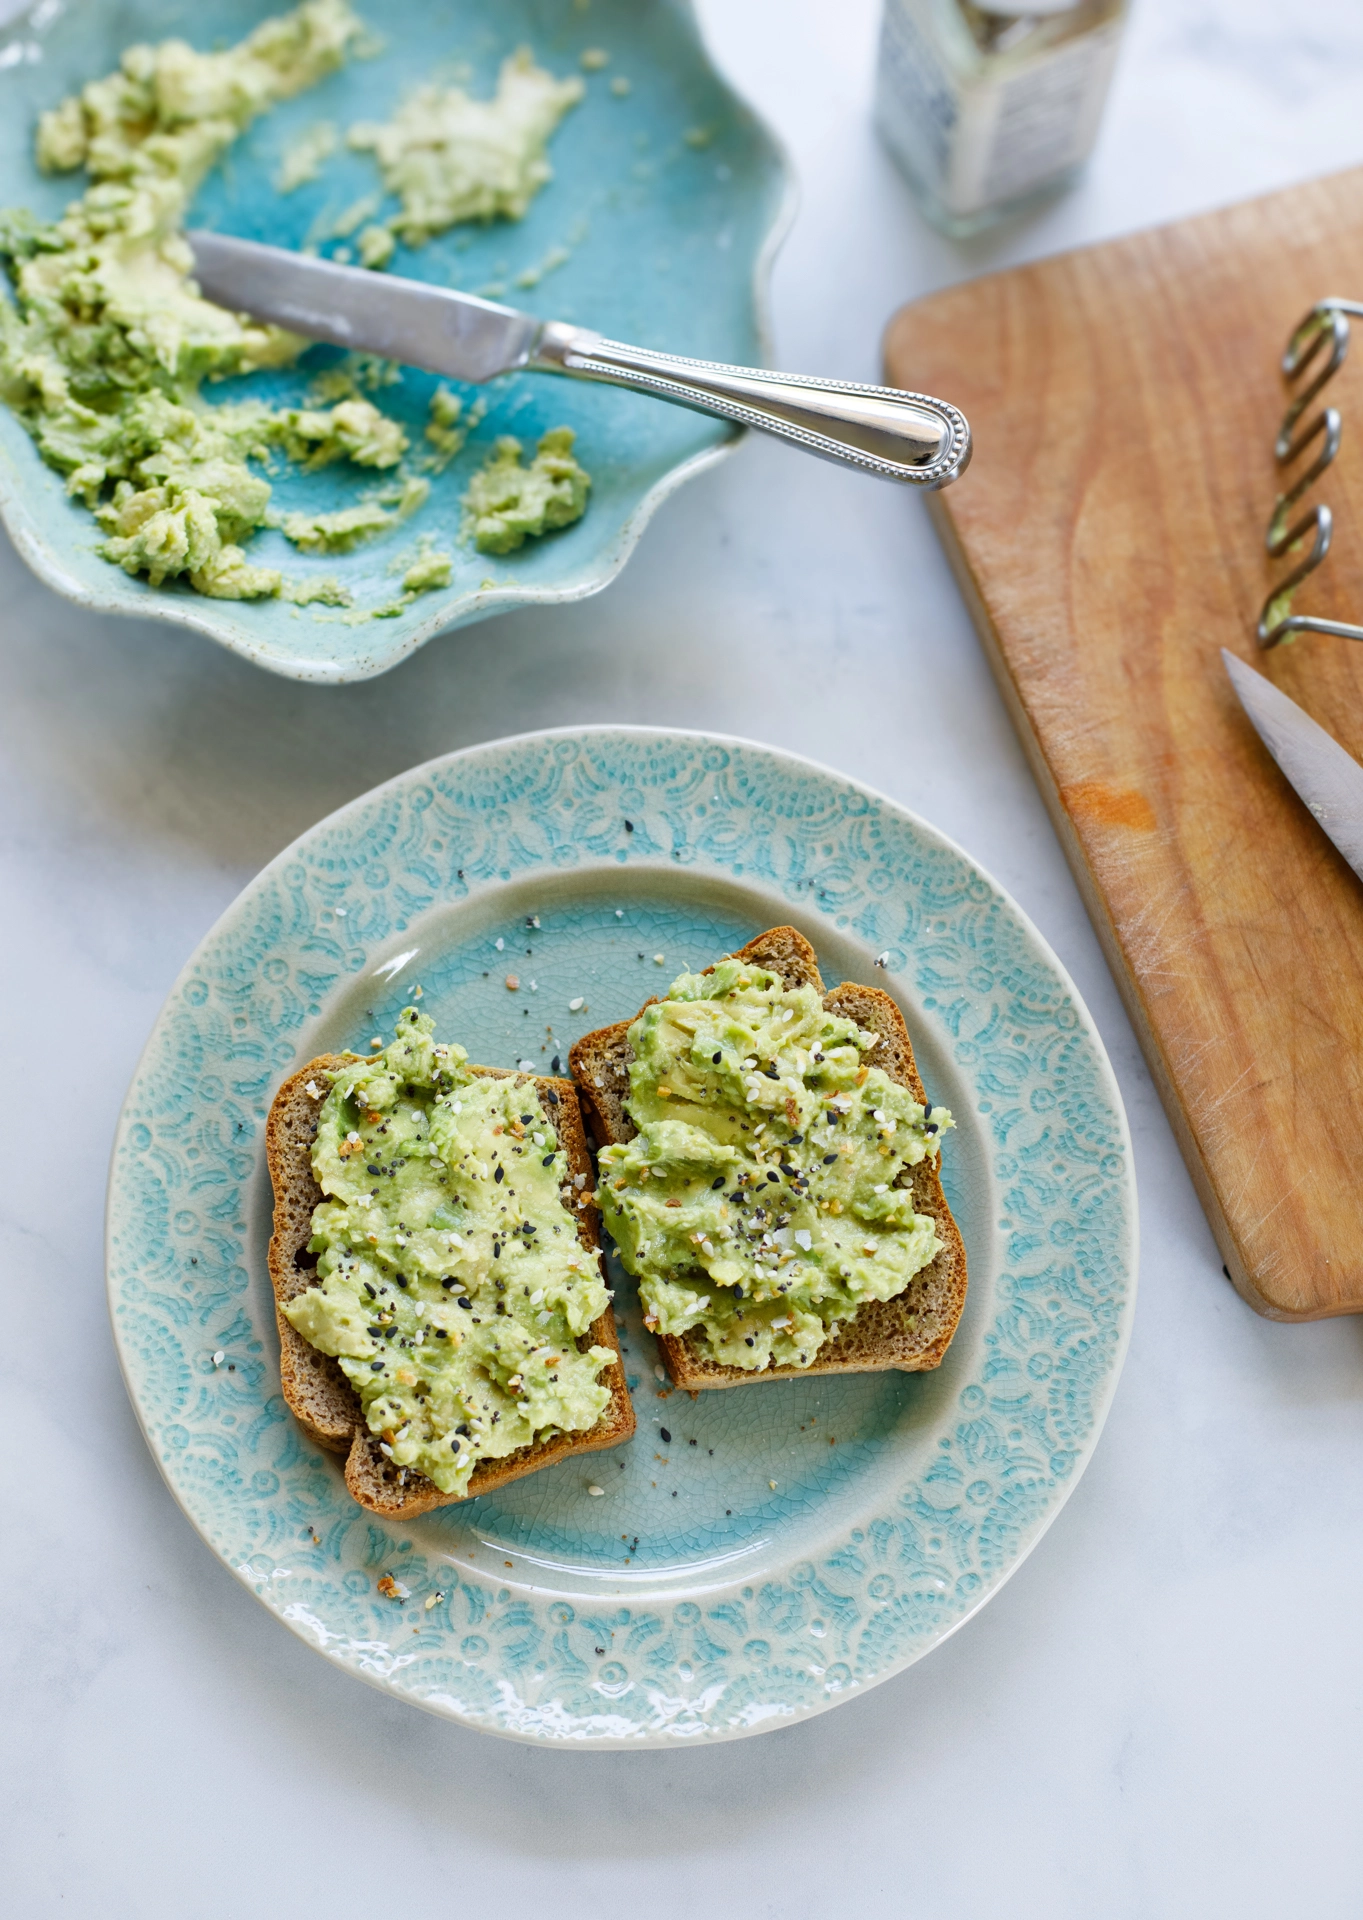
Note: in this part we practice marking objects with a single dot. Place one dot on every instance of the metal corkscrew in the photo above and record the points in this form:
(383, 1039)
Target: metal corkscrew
(1328, 321)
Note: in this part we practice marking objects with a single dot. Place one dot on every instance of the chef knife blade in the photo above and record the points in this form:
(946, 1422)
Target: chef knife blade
(881, 430)
(1328, 779)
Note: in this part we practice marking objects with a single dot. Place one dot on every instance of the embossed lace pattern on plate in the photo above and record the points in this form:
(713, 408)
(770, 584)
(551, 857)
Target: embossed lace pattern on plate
(954, 1509)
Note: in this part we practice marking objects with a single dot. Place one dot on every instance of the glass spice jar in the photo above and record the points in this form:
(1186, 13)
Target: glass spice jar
(989, 111)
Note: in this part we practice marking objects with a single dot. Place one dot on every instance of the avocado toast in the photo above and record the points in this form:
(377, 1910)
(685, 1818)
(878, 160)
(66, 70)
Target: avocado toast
(435, 1252)
(767, 1243)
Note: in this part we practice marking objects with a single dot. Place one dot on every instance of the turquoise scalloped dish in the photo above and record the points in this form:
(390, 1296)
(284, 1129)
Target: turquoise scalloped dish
(752, 1556)
(668, 204)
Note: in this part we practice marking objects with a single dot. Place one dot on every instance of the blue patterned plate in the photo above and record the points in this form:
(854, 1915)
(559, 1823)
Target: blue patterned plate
(750, 1557)
(667, 205)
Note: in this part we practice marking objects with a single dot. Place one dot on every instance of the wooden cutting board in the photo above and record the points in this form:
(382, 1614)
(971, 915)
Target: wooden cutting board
(1109, 538)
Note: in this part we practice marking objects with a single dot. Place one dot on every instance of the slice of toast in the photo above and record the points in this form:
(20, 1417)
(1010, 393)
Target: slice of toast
(320, 1397)
(910, 1333)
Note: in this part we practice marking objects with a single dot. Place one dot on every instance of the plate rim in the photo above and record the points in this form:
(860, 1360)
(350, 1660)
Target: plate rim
(184, 611)
(665, 1737)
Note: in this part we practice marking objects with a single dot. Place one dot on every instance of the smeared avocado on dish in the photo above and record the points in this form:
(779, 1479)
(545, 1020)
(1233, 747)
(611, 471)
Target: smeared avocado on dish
(106, 344)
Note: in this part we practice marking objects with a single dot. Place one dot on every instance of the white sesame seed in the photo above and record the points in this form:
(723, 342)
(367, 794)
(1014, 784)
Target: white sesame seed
(658, 959)
(219, 1357)
(619, 913)
(575, 1005)
(660, 1373)
(596, 1492)
(499, 943)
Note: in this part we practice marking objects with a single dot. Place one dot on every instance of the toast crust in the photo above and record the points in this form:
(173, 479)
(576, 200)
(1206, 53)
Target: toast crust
(909, 1333)
(317, 1392)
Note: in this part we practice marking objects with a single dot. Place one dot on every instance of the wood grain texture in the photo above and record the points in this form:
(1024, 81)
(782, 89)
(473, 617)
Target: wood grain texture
(1109, 540)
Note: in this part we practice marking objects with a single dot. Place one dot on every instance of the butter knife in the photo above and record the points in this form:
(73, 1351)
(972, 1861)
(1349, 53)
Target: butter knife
(1328, 779)
(886, 431)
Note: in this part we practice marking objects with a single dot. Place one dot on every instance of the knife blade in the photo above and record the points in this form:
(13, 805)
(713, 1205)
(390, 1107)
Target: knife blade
(407, 320)
(1328, 780)
(886, 431)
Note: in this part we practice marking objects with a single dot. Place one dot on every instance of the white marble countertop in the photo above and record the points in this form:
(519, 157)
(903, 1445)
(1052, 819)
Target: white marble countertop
(1159, 1715)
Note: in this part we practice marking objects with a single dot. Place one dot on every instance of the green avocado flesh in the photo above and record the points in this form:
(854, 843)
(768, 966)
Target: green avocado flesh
(106, 344)
(453, 1286)
(760, 1202)
(507, 503)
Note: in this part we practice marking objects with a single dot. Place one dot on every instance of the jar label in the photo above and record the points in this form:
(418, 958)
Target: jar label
(991, 138)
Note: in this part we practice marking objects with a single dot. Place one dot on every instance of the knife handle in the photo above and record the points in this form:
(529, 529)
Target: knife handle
(881, 430)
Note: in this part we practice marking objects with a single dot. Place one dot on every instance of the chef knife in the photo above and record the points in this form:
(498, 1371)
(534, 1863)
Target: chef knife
(1327, 778)
(881, 430)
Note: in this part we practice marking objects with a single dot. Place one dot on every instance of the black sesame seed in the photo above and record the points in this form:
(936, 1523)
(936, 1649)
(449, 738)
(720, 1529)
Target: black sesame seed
(464, 1301)
(401, 1279)
(749, 1341)
(500, 1175)
(550, 1095)
(526, 1118)
(555, 1066)
(775, 1177)
(376, 1366)
(717, 1184)
(716, 1058)
(666, 1435)
(373, 1169)
(629, 826)
(548, 1160)
(829, 1158)
(448, 1284)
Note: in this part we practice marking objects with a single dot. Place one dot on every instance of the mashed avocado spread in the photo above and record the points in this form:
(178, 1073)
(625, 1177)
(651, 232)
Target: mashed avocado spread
(506, 503)
(450, 158)
(760, 1200)
(106, 344)
(453, 1285)
(104, 351)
